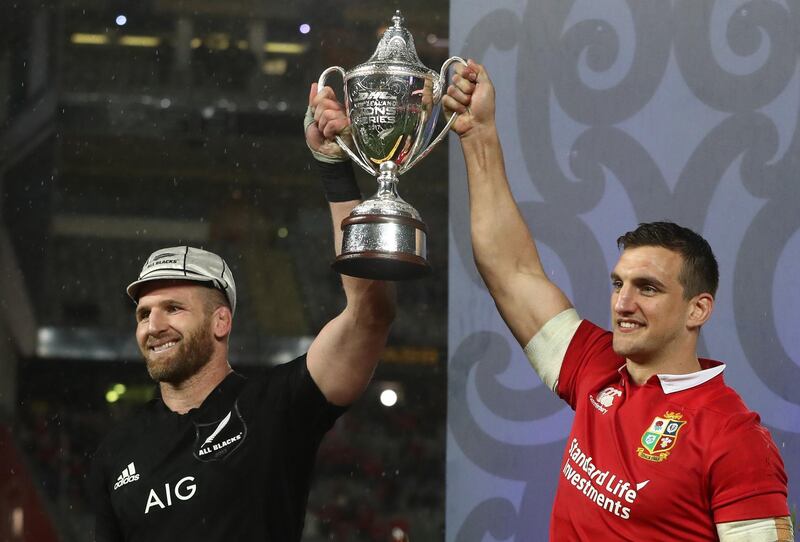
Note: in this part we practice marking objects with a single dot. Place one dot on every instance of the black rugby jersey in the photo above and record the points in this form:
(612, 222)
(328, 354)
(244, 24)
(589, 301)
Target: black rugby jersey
(236, 468)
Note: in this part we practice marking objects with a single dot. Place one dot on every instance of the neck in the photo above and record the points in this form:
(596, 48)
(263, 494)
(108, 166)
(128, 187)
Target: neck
(641, 372)
(189, 394)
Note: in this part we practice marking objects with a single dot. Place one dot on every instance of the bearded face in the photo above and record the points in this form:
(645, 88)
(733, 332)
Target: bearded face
(175, 331)
(179, 358)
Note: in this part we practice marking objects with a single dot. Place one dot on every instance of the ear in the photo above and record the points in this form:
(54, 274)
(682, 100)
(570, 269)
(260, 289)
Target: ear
(700, 308)
(222, 321)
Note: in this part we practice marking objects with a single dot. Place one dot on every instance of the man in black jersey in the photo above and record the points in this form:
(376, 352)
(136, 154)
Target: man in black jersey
(217, 456)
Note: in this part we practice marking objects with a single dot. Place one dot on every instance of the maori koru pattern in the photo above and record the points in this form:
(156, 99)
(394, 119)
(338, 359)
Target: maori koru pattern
(616, 113)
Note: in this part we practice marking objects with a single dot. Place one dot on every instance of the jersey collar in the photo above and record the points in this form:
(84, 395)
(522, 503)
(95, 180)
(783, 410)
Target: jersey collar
(674, 383)
(229, 387)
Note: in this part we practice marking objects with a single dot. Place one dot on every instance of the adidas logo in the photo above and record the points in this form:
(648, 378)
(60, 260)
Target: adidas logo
(128, 475)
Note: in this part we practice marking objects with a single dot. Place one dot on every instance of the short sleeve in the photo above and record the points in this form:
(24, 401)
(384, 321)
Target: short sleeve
(588, 361)
(296, 391)
(746, 473)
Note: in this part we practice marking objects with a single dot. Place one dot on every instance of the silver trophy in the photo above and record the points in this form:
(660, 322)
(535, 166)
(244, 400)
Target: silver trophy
(393, 102)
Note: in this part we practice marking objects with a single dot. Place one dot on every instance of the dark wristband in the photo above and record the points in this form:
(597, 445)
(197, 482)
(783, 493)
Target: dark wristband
(339, 181)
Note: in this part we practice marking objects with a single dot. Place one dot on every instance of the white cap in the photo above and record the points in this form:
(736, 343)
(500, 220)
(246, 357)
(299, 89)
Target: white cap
(187, 263)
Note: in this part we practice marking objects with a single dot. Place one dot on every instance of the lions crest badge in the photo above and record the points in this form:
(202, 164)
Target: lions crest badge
(660, 437)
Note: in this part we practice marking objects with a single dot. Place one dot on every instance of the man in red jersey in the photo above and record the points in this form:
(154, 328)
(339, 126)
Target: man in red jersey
(660, 448)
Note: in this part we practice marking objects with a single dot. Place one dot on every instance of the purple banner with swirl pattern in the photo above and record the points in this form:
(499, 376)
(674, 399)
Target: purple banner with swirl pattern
(613, 113)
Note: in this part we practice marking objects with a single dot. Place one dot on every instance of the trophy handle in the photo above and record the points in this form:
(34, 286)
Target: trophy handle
(442, 86)
(353, 156)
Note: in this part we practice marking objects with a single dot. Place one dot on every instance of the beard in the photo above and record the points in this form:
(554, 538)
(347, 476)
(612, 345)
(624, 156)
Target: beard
(191, 354)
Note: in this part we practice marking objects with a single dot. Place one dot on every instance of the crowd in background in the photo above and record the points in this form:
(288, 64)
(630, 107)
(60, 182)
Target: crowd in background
(379, 473)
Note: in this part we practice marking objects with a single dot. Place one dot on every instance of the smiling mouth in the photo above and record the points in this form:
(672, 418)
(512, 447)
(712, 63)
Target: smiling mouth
(163, 347)
(629, 326)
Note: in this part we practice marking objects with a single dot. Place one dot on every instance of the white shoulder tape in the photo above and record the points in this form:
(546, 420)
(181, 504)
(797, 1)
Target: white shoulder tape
(756, 530)
(546, 349)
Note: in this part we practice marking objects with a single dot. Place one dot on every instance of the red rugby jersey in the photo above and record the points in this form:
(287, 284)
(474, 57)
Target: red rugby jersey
(662, 461)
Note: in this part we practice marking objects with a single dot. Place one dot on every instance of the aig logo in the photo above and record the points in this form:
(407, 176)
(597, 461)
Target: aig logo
(182, 491)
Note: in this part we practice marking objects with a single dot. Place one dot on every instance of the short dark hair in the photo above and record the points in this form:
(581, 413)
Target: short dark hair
(700, 272)
(214, 298)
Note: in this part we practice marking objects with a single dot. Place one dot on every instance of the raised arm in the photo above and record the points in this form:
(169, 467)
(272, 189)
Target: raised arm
(343, 356)
(504, 250)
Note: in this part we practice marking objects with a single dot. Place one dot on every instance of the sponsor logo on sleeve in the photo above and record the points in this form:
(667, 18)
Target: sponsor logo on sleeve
(660, 437)
(217, 440)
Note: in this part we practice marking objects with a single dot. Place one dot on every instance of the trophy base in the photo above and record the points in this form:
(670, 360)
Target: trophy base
(382, 247)
(381, 266)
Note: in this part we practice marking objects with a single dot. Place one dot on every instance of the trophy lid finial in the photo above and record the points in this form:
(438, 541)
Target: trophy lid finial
(396, 48)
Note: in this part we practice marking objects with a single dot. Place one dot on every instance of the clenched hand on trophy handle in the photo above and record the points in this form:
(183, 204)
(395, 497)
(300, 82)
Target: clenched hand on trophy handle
(393, 104)
(325, 119)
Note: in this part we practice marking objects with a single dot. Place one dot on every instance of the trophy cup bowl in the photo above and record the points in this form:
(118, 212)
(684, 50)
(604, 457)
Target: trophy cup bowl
(393, 102)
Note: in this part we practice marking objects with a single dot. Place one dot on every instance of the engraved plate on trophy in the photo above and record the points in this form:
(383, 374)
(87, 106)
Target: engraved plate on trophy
(393, 102)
